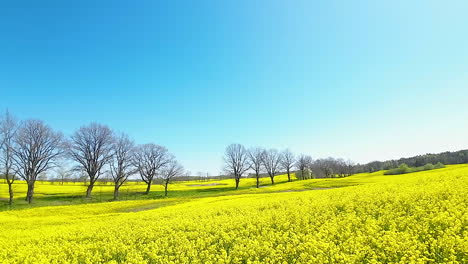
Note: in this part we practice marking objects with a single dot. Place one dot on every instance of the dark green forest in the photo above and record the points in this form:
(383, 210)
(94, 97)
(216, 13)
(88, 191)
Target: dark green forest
(447, 158)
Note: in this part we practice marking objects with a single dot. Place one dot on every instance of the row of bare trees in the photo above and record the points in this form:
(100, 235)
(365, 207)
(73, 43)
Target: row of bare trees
(27, 150)
(331, 167)
(238, 161)
(31, 148)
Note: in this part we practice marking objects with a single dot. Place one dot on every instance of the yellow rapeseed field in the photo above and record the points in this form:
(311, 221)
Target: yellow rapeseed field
(413, 218)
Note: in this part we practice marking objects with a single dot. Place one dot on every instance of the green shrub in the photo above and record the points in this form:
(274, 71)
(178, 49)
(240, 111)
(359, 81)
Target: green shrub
(403, 168)
(439, 166)
(429, 166)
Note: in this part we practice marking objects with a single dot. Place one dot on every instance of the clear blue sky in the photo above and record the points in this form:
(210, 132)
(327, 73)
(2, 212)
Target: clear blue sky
(363, 80)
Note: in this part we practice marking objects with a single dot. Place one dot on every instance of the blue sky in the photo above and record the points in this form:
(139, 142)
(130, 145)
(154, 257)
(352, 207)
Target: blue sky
(364, 80)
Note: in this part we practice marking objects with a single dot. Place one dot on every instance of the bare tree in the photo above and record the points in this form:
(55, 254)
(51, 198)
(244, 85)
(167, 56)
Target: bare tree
(62, 173)
(81, 176)
(287, 162)
(325, 168)
(236, 161)
(91, 147)
(149, 158)
(303, 162)
(171, 170)
(200, 175)
(256, 162)
(43, 176)
(8, 127)
(331, 167)
(121, 164)
(37, 148)
(349, 167)
(341, 167)
(271, 162)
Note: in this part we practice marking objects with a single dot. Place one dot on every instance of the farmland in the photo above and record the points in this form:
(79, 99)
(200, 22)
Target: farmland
(240, 132)
(365, 218)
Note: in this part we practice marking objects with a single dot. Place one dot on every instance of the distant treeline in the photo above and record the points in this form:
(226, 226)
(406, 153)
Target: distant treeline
(447, 158)
(403, 168)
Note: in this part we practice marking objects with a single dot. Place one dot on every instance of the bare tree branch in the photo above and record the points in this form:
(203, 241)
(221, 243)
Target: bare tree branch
(121, 164)
(287, 161)
(256, 162)
(91, 148)
(271, 161)
(170, 171)
(303, 162)
(236, 161)
(148, 159)
(8, 129)
(37, 147)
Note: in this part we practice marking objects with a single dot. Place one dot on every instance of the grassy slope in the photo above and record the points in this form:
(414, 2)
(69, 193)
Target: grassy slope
(47, 194)
(420, 217)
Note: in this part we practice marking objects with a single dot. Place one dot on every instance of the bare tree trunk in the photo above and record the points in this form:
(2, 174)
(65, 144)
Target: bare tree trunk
(116, 192)
(148, 188)
(89, 189)
(236, 159)
(30, 192)
(289, 176)
(258, 180)
(165, 189)
(272, 179)
(10, 191)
